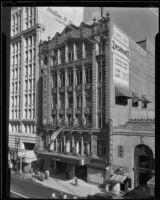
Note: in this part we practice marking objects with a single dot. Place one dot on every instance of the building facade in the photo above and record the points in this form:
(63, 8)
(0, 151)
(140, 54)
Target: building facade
(95, 79)
(28, 26)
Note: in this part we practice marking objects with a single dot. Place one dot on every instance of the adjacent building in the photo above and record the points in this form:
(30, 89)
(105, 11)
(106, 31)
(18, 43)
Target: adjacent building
(97, 105)
(28, 26)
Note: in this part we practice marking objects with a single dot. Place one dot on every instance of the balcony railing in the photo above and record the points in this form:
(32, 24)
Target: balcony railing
(69, 88)
(78, 111)
(78, 87)
(61, 111)
(54, 90)
(142, 114)
(87, 86)
(61, 89)
(87, 110)
(54, 111)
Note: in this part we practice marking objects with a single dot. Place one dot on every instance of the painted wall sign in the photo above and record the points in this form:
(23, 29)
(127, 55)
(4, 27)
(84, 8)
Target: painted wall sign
(121, 37)
(120, 49)
(59, 18)
(120, 71)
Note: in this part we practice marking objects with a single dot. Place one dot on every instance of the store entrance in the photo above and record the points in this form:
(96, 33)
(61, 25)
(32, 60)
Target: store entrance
(81, 172)
(61, 167)
(144, 165)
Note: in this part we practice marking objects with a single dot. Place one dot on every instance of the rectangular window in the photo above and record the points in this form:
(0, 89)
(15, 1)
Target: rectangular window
(120, 151)
(70, 78)
(99, 97)
(144, 104)
(99, 121)
(101, 148)
(79, 101)
(79, 77)
(70, 101)
(62, 78)
(134, 102)
(88, 76)
(121, 101)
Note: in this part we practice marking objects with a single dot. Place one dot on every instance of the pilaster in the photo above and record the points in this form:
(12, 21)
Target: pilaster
(75, 51)
(65, 96)
(74, 94)
(94, 89)
(57, 114)
(83, 93)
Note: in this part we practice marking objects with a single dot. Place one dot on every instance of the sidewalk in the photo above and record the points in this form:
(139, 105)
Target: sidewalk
(68, 186)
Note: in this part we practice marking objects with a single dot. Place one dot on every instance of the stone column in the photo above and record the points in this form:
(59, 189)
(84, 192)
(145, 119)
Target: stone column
(58, 57)
(82, 147)
(83, 92)
(83, 50)
(94, 89)
(56, 145)
(73, 144)
(65, 97)
(57, 115)
(22, 79)
(74, 94)
(75, 51)
(61, 145)
(64, 143)
(66, 53)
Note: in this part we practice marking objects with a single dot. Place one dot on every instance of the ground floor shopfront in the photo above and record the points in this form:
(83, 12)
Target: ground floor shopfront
(22, 160)
(74, 152)
(69, 166)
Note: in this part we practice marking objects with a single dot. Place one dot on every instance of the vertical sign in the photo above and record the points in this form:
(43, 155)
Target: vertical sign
(121, 57)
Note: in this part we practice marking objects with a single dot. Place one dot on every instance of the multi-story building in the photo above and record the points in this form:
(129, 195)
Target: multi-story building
(28, 26)
(98, 93)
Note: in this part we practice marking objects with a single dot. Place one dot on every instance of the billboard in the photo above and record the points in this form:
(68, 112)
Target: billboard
(121, 57)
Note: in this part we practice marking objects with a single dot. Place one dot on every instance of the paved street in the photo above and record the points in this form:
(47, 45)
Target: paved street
(22, 188)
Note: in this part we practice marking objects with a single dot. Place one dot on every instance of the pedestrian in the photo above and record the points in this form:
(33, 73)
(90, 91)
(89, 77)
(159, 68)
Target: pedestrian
(61, 195)
(53, 196)
(64, 196)
(76, 181)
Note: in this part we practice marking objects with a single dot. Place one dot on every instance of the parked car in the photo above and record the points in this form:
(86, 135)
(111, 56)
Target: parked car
(103, 195)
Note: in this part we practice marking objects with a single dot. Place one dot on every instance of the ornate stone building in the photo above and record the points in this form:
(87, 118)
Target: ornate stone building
(28, 26)
(95, 79)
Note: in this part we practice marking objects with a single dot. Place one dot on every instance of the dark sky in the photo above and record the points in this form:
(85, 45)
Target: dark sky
(138, 23)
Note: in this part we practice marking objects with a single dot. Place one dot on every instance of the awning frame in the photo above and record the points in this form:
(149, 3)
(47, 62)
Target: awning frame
(145, 99)
(121, 92)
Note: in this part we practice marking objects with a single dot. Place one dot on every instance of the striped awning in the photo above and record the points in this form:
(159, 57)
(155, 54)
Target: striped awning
(136, 96)
(146, 99)
(55, 133)
(122, 92)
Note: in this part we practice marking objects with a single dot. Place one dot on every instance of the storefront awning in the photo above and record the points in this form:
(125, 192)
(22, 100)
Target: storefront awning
(122, 92)
(55, 133)
(151, 182)
(135, 95)
(66, 158)
(118, 178)
(28, 156)
(146, 99)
